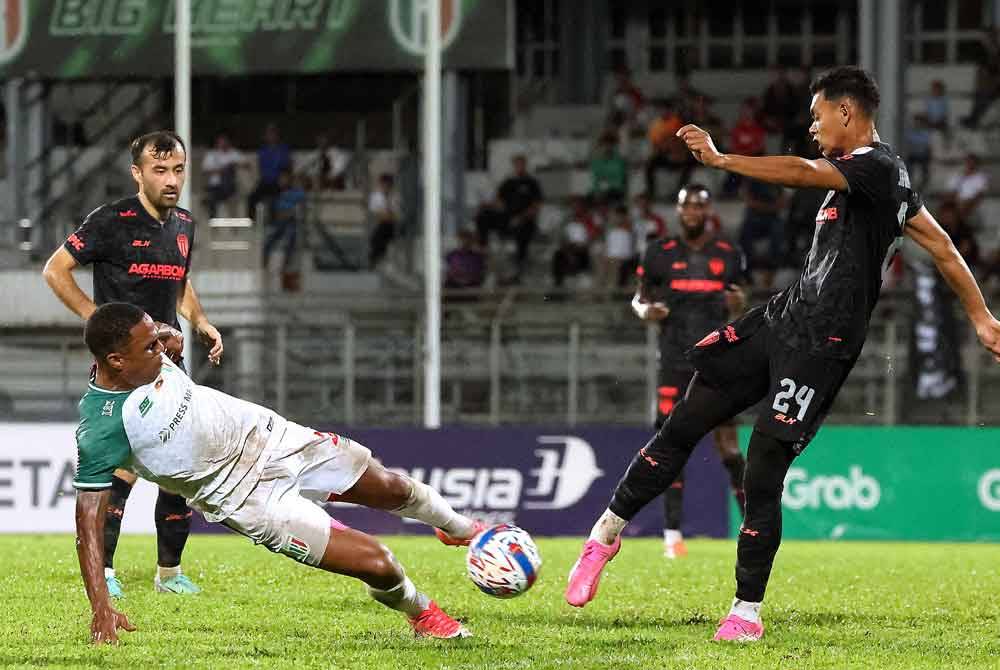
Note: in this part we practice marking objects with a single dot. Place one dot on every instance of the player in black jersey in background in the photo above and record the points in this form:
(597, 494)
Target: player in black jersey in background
(689, 285)
(795, 352)
(141, 250)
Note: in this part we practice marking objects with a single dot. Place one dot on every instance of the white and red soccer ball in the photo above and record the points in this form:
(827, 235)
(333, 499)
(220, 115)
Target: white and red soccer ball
(503, 561)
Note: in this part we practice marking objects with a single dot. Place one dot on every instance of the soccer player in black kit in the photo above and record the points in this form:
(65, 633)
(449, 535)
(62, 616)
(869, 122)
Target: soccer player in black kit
(689, 285)
(794, 352)
(141, 250)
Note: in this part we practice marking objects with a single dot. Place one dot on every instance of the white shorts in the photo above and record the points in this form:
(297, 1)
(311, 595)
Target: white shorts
(283, 511)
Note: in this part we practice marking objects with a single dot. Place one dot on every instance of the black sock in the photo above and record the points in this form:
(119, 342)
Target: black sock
(173, 525)
(760, 535)
(673, 504)
(120, 489)
(735, 467)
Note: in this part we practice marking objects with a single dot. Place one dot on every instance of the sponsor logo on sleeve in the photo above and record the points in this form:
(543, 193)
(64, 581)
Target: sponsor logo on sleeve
(109, 408)
(75, 242)
(145, 406)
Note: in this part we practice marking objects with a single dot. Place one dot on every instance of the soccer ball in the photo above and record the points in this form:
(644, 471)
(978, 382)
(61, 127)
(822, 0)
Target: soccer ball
(503, 561)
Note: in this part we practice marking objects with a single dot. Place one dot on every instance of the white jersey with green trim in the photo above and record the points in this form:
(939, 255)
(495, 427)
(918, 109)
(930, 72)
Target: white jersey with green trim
(198, 442)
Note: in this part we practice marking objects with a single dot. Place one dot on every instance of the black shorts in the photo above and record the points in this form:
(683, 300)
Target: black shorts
(750, 364)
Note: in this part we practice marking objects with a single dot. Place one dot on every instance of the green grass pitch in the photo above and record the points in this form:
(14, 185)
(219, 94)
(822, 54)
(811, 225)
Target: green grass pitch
(830, 605)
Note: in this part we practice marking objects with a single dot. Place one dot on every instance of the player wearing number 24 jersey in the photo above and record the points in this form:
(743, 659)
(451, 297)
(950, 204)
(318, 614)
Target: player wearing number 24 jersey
(795, 352)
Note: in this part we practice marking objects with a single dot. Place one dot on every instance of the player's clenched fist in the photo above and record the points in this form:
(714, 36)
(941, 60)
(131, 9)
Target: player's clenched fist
(700, 144)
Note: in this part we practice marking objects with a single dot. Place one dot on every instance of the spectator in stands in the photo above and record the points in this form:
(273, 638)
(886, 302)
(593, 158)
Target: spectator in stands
(608, 171)
(465, 267)
(762, 221)
(950, 217)
(667, 151)
(747, 138)
(918, 151)
(514, 212)
(219, 170)
(572, 258)
(627, 100)
(273, 158)
(968, 188)
(648, 224)
(619, 249)
(937, 109)
(328, 166)
(780, 103)
(287, 215)
(384, 210)
(987, 77)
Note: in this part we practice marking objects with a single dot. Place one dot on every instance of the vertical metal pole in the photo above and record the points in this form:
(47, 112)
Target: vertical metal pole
(495, 372)
(182, 123)
(867, 22)
(891, 73)
(889, 410)
(652, 354)
(418, 379)
(432, 216)
(573, 390)
(281, 367)
(349, 374)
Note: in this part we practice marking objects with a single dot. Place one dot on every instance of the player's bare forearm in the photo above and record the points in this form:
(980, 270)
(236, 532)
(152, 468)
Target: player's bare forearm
(91, 507)
(189, 306)
(926, 232)
(58, 274)
(789, 171)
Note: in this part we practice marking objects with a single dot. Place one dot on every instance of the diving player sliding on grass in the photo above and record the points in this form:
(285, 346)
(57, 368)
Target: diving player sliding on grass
(241, 465)
(795, 352)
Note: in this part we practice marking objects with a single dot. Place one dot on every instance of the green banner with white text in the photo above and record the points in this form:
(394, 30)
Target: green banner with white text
(893, 484)
(66, 39)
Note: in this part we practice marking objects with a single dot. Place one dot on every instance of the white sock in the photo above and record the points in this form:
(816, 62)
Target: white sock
(404, 598)
(608, 528)
(109, 573)
(672, 536)
(167, 573)
(746, 610)
(426, 505)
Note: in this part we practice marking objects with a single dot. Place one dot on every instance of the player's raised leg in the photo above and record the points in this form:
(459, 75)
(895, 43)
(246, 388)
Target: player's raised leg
(651, 472)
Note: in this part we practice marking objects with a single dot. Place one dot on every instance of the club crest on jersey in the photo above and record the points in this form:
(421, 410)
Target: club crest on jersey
(182, 244)
(717, 266)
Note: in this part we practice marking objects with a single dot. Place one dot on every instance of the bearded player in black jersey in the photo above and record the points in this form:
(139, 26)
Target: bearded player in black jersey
(141, 250)
(795, 352)
(689, 285)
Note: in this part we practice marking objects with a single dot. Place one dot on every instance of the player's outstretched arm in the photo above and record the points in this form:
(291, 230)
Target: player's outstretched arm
(91, 507)
(190, 308)
(58, 274)
(926, 232)
(789, 171)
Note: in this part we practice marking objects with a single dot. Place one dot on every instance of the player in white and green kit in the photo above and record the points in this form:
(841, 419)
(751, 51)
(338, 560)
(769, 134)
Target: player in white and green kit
(239, 464)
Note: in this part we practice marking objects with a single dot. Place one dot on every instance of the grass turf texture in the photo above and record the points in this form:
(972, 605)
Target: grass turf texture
(831, 605)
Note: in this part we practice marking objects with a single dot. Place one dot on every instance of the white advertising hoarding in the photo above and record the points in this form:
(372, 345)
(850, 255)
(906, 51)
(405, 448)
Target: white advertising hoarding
(37, 462)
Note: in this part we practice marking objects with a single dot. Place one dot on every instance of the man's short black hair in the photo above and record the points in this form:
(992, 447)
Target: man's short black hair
(693, 187)
(849, 81)
(108, 328)
(162, 141)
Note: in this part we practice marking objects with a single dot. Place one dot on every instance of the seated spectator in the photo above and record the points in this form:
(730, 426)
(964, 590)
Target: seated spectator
(918, 151)
(968, 188)
(619, 249)
(288, 204)
(384, 210)
(219, 169)
(648, 224)
(949, 217)
(987, 77)
(328, 166)
(273, 158)
(465, 267)
(627, 100)
(667, 151)
(608, 171)
(762, 221)
(936, 111)
(514, 212)
(747, 138)
(572, 258)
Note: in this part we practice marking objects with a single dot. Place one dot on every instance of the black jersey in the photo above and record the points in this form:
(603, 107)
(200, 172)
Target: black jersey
(136, 258)
(692, 283)
(858, 231)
